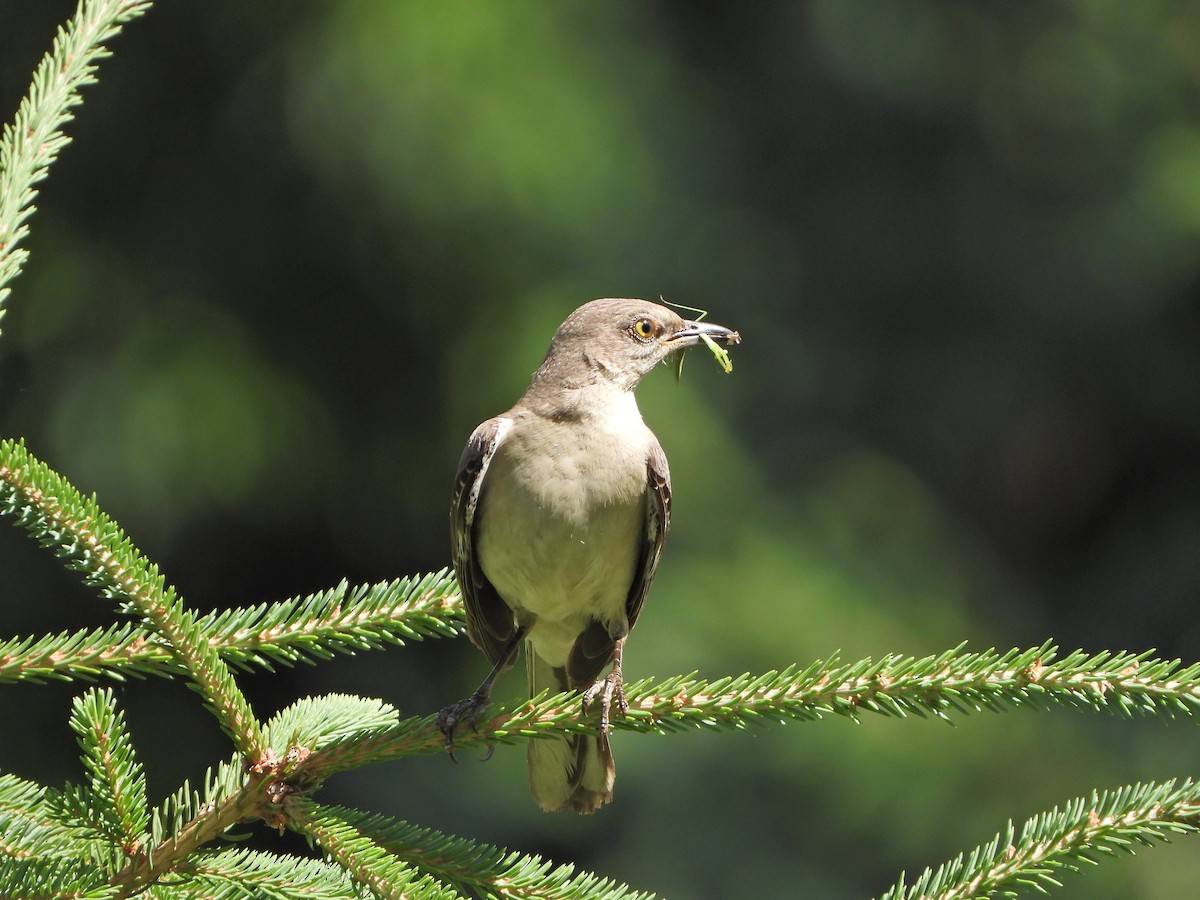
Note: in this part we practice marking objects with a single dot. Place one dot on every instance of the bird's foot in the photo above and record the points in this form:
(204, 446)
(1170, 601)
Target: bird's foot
(463, 712)
(609, 689)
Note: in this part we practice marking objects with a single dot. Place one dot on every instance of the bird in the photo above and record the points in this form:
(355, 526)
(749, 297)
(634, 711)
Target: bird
(560, 510)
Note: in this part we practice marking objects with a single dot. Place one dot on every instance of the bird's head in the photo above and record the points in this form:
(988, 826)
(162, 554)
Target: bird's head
(622, 340)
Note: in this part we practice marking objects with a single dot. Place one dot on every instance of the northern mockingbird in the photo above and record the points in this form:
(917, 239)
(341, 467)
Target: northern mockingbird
(560, 511)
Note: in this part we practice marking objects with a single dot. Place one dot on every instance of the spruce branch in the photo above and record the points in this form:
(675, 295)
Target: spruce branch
(315, 722)
(59, 517)
(117, 780)
(354, 849)
(234, 795)
(116, 651)
(41, 853)
(29, 825)
(1062, 839)
(236, 792)
(341, 620)
(51, 878)
(951, 682)
(320, 736)
(222, 788)
(487, 870)
(249, 875)
(35, 137)
(344, 619)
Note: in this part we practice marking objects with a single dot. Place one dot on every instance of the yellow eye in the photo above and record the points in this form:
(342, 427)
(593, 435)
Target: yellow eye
(645, 329)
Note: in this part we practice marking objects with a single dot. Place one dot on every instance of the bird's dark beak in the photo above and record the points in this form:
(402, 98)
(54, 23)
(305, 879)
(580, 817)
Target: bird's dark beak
(691, 332)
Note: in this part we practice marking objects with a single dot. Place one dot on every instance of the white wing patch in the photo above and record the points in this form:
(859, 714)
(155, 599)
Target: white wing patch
(502, 428)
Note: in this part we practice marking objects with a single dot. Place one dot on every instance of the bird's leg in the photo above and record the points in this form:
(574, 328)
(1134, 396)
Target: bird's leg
(609, 688)
(468, 710)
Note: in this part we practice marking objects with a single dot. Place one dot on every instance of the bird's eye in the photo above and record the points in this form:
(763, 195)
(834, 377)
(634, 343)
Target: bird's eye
(645, 329)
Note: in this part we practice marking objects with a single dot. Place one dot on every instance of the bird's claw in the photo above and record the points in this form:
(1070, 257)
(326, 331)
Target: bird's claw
(464, 711)
(609, 689)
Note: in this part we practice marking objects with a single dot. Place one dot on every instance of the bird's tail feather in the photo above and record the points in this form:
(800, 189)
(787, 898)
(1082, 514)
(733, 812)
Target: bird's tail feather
(575, 772)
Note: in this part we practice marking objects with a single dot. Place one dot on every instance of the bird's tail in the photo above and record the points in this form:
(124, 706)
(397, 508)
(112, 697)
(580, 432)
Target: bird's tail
(575, 772)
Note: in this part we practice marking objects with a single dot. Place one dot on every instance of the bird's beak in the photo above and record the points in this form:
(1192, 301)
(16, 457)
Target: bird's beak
(691, 333)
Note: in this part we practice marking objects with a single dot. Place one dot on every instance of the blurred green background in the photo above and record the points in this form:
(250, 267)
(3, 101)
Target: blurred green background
(297, 251)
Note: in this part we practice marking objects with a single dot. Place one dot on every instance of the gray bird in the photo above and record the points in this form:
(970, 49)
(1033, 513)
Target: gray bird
(559, 514)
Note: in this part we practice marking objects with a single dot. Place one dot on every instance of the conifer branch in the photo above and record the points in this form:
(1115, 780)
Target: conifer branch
(31, 143)
(27, 827)
(485, 869)
(344, 619)
(117, 781)
(951, 682)
(119, 650)
(236, 792)
(211, 819)
(1065, 838)
(53, 878)
(56, 515)
(257, 874)
(301, 629)
(353, 849)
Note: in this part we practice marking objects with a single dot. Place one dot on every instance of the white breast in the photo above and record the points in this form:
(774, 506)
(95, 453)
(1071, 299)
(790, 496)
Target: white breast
(561, 528)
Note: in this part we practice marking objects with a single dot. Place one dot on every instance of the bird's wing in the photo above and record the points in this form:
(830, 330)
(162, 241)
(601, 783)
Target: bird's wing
(658, 522)
(490, 624)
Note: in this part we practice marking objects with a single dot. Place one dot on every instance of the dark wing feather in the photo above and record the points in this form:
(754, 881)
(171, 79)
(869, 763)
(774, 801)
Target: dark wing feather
(594, 647)
(490, 624)
(658, 523)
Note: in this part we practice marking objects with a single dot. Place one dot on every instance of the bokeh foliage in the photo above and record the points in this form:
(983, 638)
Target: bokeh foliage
(298, 251)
